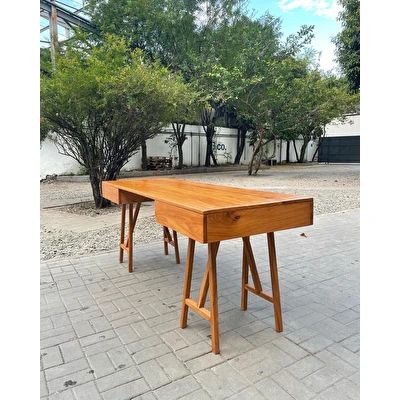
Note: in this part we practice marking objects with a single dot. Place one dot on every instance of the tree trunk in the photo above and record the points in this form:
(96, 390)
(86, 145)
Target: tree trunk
(316, 150)
(144, 154)
(180, 137)
(320, 140)
(95, 182)
(207, 161)
(240, 144)
(180, 155)
(209, 150)
(287, 151)
(295, 150)
(255, 152)
(303, 150)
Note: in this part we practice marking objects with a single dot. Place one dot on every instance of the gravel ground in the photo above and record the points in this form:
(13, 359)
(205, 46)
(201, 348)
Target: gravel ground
(334, 188)
(60, 243)
(88, 208)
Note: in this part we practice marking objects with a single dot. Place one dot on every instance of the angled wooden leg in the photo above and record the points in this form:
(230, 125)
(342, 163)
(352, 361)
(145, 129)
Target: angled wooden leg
(177, 258)
(245, 280)
(173, 242)
(252, 264)
(209, 281)
(187, 282)
(205, 283)
(275, 282)
(212, 254)
(165, 240)
(131, 227)
(122, 234)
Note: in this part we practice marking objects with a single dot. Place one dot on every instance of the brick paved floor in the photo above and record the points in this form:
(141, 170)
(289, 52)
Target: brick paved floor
(107, 334)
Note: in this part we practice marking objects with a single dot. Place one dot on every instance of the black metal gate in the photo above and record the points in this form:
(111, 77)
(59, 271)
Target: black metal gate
(341, 149)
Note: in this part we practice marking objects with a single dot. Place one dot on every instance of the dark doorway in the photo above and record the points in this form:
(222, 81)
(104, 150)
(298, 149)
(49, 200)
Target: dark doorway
(341, 149)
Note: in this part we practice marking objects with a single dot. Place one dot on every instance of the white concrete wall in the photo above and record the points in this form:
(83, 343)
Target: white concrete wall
(52, 162)
(280, 154)
(351, 127)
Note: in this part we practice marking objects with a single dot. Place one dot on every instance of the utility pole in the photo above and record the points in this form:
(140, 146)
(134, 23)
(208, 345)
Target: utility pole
(53, 35)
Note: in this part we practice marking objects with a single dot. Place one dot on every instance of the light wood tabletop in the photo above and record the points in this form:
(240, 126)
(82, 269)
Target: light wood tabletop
(209, 213)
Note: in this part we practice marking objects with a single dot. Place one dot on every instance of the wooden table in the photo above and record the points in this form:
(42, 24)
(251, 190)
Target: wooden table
(209, 214)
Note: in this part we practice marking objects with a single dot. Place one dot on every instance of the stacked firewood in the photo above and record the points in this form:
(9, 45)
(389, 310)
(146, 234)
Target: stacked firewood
(159, 163)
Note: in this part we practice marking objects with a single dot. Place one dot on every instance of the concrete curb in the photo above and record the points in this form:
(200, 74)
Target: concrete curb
(139, 174)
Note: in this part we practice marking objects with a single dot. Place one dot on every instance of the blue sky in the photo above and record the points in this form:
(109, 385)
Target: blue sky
(294, 13)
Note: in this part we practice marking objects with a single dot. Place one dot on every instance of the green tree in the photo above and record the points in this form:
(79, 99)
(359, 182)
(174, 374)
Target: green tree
(179, 33)
(102, 101)
(348, 43)
(316, 100)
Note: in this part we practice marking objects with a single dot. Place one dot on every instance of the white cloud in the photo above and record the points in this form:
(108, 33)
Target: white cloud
(327, 58)
(321, 8)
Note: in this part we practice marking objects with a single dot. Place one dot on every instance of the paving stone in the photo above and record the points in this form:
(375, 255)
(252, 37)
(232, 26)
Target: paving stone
(101, 365)
(305, 366)
(127, 334)
(221, 384)
(322, 379)
(100, 324)
(173, 367)
(177, 389)
(118, 378)
(316, 344)
(142, 329)
(262, 337)
(346, 316)
(233, 344)
(57, 340)
(126, 391)
(333, 361)
(71, 350)
(46, 323)
(65, 395)
(205, 361)
(43, 385)
(348, 388)
(352, 343)
(102, 346)
(70, 380)
(193, 351)
(143, 344)
(60, 320)
(64, 369)
(97, 338)
(87, 391)
(174, 340)
(51, 357)
(153, 374)
(120, 357)
(151, 352)
(289, 347)
(146, 396)
(271, 390)
(272, 361)
(293, 386)
(83, 328)
(344, 354)
(126, 319)
(200, 394)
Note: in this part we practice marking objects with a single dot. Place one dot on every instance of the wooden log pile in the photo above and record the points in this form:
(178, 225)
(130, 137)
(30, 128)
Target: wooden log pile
(159, 163)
